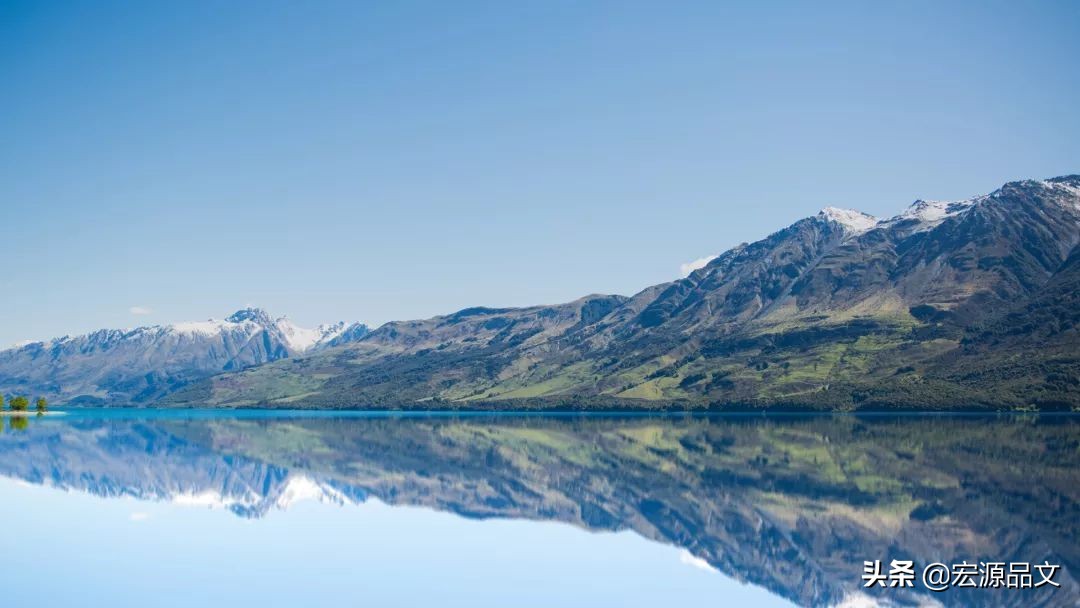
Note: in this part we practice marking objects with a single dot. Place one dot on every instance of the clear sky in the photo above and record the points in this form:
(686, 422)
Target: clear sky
(377, 161)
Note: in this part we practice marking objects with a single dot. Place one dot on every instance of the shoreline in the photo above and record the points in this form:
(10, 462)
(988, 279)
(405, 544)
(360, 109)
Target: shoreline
(28, 413)
(197, 412)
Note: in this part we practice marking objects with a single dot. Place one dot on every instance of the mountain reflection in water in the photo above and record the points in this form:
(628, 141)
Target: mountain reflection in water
(791, 504)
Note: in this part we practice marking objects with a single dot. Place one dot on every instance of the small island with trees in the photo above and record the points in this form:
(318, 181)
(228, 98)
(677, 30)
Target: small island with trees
(19, 405)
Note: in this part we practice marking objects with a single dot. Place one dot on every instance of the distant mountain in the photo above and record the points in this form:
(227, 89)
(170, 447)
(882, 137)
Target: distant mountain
(129, 366)
(963, 304)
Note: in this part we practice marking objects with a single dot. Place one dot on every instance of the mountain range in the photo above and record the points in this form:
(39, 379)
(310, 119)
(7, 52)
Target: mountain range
(968, 304)
(130, 366)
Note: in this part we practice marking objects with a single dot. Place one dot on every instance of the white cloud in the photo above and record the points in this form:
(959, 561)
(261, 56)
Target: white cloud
(140, 516)
(689, 267)
(140, 310)
(685, 557)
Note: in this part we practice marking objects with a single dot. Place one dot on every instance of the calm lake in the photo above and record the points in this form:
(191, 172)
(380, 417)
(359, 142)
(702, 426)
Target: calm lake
(126, 508)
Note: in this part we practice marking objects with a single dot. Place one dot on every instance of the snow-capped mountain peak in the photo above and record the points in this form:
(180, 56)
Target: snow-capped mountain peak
(1065, 189)
(132, 365)
(253, 320)
(255, 315)
(933, 212)
(209, 327)
(302, 339)
(853, 221)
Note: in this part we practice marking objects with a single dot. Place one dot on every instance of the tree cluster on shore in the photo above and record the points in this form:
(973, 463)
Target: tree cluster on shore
(21, 403)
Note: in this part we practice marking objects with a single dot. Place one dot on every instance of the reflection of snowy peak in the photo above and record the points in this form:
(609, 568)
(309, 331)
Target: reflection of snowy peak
(147, 462)
(135, 365)
(247, 501)
(787, 526)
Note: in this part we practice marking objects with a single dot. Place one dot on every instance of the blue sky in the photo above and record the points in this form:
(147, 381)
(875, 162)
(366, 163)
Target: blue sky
(378, 161)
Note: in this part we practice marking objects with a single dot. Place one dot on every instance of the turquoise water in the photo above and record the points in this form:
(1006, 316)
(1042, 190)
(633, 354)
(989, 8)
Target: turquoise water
(204, 507)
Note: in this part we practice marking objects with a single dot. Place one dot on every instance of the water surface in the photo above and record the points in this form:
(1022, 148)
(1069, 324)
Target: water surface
(137, 508)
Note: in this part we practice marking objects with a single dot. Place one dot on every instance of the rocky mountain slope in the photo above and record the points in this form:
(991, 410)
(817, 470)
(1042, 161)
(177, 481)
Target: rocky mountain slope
(126, 366)
(962, 304)
(966, 304)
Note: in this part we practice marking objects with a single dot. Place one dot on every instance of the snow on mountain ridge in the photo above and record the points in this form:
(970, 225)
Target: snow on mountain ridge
(247, 323)
(855, 221)
(1068, 185)
(926, 213)
(302, 339)
(209, 327)
(297, 338)
(932, 213)
(929, 213)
